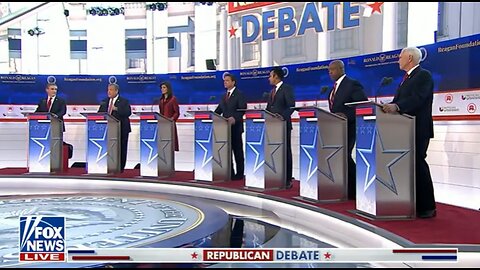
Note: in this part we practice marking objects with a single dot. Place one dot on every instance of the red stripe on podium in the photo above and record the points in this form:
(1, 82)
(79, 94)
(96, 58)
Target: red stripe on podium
(37, 117)
(147, 117)
(306, 114)
(202, 116)
(253, 115)
(364, 111)
(96, 117)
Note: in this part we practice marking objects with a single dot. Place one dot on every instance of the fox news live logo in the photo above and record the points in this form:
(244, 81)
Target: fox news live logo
(42, 238)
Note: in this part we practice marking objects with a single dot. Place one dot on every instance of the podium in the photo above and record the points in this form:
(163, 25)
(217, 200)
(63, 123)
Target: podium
(157, 145)
(103, 143)
(45, 142)
(265, 150)
(213, 147)
(323, 155)
(385, 160)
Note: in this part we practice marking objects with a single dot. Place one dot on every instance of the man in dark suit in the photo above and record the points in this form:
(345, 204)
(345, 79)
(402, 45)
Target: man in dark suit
(53, 103)
(228, 108)
(118, 107)
(414, 97)
(280, 102)
(345, 90)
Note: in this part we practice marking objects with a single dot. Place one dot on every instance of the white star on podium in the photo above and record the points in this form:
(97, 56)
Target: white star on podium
(206, 157)
(147, 142)
(253, 146)
(100, 148)
(42, 155)
(307, 148)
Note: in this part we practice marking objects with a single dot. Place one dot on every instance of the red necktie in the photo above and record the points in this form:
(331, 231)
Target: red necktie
(332, 94)
(49, 103)
(274, 91)
(404, 78)
(110, 106)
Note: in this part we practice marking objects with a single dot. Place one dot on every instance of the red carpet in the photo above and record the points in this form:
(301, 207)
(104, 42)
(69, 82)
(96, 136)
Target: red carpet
(452, 225)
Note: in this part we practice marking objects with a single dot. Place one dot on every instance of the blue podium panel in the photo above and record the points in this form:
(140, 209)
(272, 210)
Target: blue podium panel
(148, 146)
(39, 144)
(308, 155)
(97, 145)
(203, 146)
(366, 160)
(254, 150)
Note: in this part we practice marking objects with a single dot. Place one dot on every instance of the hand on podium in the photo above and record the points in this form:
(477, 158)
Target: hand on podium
(231, 120)
(279, 116)
(390, 108)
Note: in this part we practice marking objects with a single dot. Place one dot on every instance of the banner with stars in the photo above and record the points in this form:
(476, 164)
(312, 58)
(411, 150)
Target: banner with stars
(263, 255)
(39, 144)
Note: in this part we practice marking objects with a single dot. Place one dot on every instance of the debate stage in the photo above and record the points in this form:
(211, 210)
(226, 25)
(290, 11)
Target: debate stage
(318, 224)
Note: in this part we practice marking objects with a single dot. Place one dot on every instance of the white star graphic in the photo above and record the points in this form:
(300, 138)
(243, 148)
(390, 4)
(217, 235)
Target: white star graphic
(100, 148)
(151, 155)
(368, 181)
(42, 155)
(304, 147)
(206, 157)
(258, 164)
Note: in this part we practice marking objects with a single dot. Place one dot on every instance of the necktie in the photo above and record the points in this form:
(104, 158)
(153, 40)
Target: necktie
(332, 94)
(274, 90)
(110, 106)
(227, 96)
(49, 103)
(404, 78)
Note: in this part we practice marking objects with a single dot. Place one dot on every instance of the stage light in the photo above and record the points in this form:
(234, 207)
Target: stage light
(101, 11)
(35, 32)
(157, 6)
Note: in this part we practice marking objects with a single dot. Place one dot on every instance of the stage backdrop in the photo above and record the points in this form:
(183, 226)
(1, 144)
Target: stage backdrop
(454, 66)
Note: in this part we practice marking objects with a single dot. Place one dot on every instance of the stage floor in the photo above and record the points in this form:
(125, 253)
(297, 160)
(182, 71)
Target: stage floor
(255, 219)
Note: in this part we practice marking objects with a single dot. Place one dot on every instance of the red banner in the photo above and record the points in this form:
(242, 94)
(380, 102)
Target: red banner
(241, 6)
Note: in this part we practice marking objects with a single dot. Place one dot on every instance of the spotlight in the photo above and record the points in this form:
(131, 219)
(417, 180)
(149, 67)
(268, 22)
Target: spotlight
(35, 32)
(161, 6)
(157, 6)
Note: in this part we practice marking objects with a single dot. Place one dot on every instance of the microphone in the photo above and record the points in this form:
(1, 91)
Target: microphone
(265, 97)
(155, 102)
(385, 81)
(323, 90)
(212, 98)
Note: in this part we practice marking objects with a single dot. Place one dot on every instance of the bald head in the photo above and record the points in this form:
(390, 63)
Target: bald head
(336, 69)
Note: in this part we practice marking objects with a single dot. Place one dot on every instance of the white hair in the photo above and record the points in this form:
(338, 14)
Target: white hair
(414, 52)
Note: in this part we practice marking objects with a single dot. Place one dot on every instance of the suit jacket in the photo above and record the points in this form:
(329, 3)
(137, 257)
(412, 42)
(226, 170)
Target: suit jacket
(229, 108)
(414, 97)
(169, 108)
(122, 113)
(349, 90)
(282, 103)
(59, 107)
